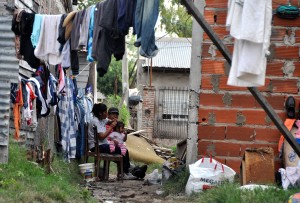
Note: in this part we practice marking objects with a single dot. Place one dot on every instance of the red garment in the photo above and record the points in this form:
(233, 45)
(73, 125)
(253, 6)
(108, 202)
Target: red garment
(289, 124)
(17, 112)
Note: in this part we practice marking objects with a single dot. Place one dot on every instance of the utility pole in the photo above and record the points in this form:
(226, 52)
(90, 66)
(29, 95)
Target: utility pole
(194, 88)
(125, 88)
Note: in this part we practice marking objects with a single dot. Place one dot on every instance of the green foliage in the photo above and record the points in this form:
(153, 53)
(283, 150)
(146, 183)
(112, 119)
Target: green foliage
(124, 115)
(86, 3)
(231, 193)
(24, 181)
(111, 82)
(114, 101)
(177, 183)
(175, 18)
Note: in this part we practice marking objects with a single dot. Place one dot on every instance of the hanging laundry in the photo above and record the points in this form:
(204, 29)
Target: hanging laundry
(22, 25)
(106, 40)
(17, 112)
(16, 28)
(13, 92)
(84, 29)
(146, 15)
(61, 32)
(67, 123)
(35, 35)
(42, 101)
(61, 79)
(250, 24)
(91, 35)
(47, 48)
(126, 13)
(68, 24)
(75, 33)
(28, 111)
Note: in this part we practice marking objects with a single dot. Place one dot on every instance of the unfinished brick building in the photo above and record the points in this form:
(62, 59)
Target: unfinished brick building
(230, 119)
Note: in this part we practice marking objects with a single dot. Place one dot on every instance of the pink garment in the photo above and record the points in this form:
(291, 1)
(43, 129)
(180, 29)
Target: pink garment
(297, 133)
(119, 137)
(61, 80)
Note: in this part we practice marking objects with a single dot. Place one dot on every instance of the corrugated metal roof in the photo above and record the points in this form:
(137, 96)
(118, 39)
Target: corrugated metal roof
(173, 53)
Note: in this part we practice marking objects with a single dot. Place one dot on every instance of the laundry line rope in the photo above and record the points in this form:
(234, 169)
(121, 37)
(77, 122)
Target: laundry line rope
(83, 69)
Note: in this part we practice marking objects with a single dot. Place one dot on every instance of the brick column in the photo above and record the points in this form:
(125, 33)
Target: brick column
(148, 110)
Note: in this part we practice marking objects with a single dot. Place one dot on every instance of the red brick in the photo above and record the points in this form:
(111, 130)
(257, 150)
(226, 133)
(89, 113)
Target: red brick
(205, 48)
(297, 34)
(267, 134)
(203, 147)
(285, 22)
(287, 52)
(243, 101)
(219, 30)
(227, 149)
(234, 163)
(276, 101)
(220, 15)
(223, 85)
(208, 99)
(253, 117)
(297, 68)
(218, 148)
(211, 132)
(283, 2)
(216, 4)
(278, 34)
(213, 66)
(274, 69)
(220, 159)
(284, 86)
(240, 133)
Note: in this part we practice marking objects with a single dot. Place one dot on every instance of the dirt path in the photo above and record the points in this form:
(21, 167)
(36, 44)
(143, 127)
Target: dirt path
(114, 191)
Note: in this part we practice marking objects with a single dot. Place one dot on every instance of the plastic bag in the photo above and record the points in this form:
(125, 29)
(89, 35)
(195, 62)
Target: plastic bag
(153, 178)
(207, 173)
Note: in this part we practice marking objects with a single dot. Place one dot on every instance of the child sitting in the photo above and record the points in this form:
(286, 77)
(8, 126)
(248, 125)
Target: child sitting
(117, 138)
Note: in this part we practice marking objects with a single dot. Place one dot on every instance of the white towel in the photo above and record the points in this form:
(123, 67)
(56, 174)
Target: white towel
(47, 48)
(252, 41)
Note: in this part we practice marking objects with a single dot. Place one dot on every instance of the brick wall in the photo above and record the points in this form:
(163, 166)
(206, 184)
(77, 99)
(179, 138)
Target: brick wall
(230, 119)
(148, 110)
(55, 7)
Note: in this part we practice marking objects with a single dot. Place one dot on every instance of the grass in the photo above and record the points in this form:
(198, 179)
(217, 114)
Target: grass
(227, 193)
(230, 193)
(23, 181)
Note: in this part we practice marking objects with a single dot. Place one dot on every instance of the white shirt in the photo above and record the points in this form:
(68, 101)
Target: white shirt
(100, 124)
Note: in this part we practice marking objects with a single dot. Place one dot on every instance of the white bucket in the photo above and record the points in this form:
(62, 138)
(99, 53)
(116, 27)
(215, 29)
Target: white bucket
(87, 171)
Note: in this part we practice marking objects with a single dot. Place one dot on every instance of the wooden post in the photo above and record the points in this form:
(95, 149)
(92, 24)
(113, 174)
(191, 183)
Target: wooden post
(151, 72)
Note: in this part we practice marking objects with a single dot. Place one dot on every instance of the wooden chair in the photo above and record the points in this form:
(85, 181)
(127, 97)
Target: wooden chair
(98, 156)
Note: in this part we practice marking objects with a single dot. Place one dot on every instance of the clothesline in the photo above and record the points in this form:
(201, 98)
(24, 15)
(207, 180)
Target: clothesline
(82, 70)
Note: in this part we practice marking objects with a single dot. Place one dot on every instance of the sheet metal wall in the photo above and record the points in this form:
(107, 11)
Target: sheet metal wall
(8, 73)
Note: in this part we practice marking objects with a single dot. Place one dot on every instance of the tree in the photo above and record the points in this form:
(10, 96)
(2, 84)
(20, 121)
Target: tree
(175, 19)
(86, 3)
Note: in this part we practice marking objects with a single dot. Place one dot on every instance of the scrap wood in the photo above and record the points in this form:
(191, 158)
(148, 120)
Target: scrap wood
(138, 133)
(266, 150)
(162, 148)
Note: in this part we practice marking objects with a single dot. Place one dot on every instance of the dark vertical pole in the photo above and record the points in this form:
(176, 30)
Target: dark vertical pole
(254, 91)
(151, 72)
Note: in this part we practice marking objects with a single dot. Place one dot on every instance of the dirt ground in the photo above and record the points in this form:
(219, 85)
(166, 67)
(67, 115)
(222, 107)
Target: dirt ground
(113, 191)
